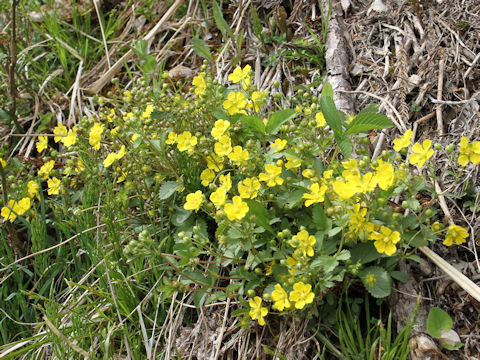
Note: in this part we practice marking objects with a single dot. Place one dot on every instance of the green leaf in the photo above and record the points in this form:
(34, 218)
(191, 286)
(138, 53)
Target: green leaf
(377, 281)
(400, 276)
(261, 214)
(332, 117)
(327, 90)
(180, 216)
(221, 23)
(200, 48)
(254, 122)
(345, 146)
(168, 189)
(216, 296)
(368, 121)
(372, 108)
(277, 119)
(438, 320)
(343, 255)
(364, 253)
(325, 262)
(319, 217)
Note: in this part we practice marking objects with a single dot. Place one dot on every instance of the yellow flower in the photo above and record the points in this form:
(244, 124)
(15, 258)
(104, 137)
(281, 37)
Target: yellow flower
(22, 206)
(236, 210)
(421, 153)
(308, 173)
(367, 182)
(240, 74)
(172, 138)
(235, 103)
(71, 138)
(42, 143)
(200, 84)
(45, 169)
(292, 163)
(320, 119)
(357, 223)
(95, 135)
(344, 189)
(403, 142)
(226, 181)
(469, 152)
(148, 111)
(219, 196)
(32, 188)
(15, 208)
(110, 159)
(215, 162)
(385, 240)
(280, 298)
(207, 176)
(194, 201)
(186, 142)
(304, 242)
(272, 175)
(317, 194)
(278, 145)
(248, 188)
(223, 146)
(455, 234)
(385, 174)
(220, 127)
(257, 310)
(7, 211)
(134, 137)
(3, 163)
(53, 186)
(238, 155)
(302, 295)
(258, 100)
(59, 130)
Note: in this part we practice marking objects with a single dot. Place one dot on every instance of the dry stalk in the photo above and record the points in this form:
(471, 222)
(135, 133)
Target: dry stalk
(105, 78)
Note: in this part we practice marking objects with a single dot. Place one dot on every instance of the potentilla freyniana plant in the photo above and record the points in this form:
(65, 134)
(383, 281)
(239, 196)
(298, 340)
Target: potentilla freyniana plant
(270, 207)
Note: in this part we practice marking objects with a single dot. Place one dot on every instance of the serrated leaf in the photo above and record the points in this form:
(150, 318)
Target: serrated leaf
(364, 253)
(330, 112)
(438, 320)
(345, 146)
(261, 214)
(254, 122)
(180, 216)
(372, 108)
(279, 118)
(200, 48)
(168, 189)
(343, 255)
(216, 296)
(327, 90)
(221, 23)
(368, 121)
(377, 281)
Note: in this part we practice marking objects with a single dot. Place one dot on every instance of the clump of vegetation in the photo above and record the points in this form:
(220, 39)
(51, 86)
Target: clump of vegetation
(199, 188)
